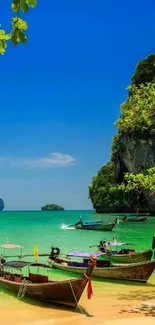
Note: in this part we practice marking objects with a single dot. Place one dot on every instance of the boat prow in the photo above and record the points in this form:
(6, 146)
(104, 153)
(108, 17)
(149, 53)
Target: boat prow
(38, 286)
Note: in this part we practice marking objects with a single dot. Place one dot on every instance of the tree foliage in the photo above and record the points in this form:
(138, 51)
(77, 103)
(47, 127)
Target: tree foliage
(145, 71)
(138, 112)
(115, 147)
(19, 26)
(104, 191)
(139, 182)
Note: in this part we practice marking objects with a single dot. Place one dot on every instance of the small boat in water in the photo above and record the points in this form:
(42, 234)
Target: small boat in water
(38, 286)
(96, 225)
(136, 218)
(139, 272)
(114, 251)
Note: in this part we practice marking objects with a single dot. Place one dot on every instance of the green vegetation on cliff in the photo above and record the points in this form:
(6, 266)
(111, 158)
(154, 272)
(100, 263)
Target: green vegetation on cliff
(52, 207)
(104, 191)
(137, 121)
(107, 194)
(145, 71)
(139, 182)
(138, 112)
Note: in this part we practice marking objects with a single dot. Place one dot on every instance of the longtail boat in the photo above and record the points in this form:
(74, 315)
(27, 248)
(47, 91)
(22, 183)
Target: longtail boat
(96, 225)
(139, 272)
(136, 218)
(114, 251)
(38, 286)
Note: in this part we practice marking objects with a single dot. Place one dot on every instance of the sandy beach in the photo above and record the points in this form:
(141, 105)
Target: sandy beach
(110, 304)
(113, 302)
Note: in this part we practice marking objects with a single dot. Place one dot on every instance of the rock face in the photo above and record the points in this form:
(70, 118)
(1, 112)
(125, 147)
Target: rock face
(1, 204)
(136, 155)
(133, 149)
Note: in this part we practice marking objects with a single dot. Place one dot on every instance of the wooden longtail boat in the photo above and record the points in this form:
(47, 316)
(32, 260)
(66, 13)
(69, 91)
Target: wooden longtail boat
(129, 256)
(129, 218)
(139, 272)
(37, 286)
(114, 251)
(97, 225)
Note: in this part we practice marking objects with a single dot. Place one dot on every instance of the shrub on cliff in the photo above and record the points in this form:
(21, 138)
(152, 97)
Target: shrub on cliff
(145, 71)
(138, 112)
(104, 191)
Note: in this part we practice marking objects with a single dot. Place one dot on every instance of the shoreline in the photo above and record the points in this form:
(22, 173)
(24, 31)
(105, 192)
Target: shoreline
(110, 304)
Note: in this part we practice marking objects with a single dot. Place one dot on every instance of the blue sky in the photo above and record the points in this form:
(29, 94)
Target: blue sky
(61, 94)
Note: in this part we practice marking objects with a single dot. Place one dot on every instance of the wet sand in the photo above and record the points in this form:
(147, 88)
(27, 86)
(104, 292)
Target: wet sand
(112, 303)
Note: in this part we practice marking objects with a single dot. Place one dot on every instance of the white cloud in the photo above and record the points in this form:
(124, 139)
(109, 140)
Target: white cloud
(56, 159)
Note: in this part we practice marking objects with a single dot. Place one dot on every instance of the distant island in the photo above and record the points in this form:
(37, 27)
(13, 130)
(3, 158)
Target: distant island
(1, 204)
(52, 207)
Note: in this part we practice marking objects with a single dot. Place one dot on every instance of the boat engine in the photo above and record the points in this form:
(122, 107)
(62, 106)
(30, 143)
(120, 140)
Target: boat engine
(2, 260)
(55, 251)
(103, 246)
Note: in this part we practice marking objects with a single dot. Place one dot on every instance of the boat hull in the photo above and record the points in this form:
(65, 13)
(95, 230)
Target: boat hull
(65, 293)
(139, 272)
(136, 219)
(130, 258)
(107, 227)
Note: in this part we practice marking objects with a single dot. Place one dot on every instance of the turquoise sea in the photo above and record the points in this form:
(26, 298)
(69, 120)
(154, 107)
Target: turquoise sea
(28, 228)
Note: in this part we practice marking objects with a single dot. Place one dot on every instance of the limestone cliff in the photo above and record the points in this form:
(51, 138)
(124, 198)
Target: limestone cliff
(136, 155)
(133, 147)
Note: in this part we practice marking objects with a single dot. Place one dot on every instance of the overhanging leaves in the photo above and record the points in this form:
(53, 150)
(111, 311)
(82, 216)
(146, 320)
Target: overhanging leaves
(31, 3)
(19, 25)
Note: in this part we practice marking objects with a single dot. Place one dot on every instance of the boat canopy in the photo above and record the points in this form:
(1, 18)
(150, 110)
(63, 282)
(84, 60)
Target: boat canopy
(10, 246)
(112, 243)
(85, 254)
(129, 216)
(96, 223)
(22, 264)
(17, 264)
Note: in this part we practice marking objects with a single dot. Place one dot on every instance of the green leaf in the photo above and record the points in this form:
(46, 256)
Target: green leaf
(19, 23)
(4, 36)
(14, 37)
(24, 5)
(16, 2)
(3, 46)
(31, 3)
(14, 7)
(21, 37)
(2, 50)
